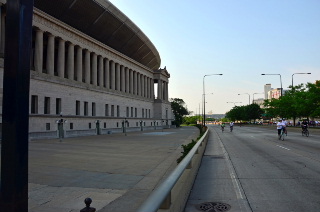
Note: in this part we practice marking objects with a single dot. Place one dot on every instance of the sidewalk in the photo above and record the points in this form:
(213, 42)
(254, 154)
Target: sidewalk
(116, 171)
(216, 186)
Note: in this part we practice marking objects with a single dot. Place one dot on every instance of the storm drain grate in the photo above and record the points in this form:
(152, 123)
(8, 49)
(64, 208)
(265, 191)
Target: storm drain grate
(213, 207)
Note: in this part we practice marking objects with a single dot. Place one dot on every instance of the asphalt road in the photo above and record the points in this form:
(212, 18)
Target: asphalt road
(251, 170)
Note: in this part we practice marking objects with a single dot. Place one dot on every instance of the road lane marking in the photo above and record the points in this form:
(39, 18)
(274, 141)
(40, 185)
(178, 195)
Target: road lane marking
(283, 147)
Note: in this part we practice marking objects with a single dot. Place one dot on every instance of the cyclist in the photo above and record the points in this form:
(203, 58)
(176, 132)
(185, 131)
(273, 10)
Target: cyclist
(280, 126)
(285, 126)
(231, 126)
(222, 126)
(304, 125)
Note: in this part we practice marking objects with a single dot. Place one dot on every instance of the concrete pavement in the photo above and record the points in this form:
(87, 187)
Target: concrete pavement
(116, 171)
(216, 185)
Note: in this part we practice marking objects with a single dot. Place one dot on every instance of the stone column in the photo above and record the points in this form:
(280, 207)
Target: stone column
(70, 62)
(165, 96)
(123, 79)
(50, 55)
(127, 84)
(152, 88)
(94, 69)
(131, 81)
(117, 77)
(38, 55)
(79, 64)
(138, 84)
(135, 87)
(87, 76)
(107, 73)
(142, 85)
(113, 75)
(159, 89)
(100, 71)
(147, 86)
(167, 91)
(164, 91)
(61, 58)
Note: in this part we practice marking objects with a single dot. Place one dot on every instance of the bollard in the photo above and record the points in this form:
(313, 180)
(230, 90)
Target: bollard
(88, 201)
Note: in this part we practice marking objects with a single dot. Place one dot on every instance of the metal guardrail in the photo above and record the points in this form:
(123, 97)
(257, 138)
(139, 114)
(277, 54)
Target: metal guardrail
(163, 191)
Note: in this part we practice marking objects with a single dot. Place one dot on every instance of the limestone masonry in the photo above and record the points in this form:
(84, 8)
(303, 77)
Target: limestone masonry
(92, 72)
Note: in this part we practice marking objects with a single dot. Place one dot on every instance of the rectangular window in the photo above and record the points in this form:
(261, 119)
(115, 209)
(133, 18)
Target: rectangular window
(135, 112)
(85, 111)
(47, 126)
(105, 125)
(46, 105)
(34, 104)
(131, 111)
(142, 113)
(112, 110)
(58, 106)
(93, 109)
(127, 112)
(106, 110)
(118, 111)
(78, 108)
(89, 125)
(71, 126)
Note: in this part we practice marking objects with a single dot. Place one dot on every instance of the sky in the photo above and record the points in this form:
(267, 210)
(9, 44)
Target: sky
(240, 39)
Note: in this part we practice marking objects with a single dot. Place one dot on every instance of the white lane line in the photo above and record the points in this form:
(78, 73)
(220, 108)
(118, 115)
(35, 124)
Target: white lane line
(283, 147)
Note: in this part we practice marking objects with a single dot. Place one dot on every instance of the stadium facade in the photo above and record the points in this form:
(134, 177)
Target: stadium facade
(93, 71)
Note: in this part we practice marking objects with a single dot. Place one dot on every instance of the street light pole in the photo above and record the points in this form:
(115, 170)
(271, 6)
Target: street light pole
(248, 95)
(294, 74)
(204, 98)
(280, 81)
(253, 96)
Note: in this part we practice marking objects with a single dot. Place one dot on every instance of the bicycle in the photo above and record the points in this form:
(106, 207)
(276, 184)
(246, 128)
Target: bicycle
(305, 132)
(222, 128)
(281, 136)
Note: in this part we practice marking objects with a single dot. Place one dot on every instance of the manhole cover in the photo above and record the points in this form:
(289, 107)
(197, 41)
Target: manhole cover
(213, 207)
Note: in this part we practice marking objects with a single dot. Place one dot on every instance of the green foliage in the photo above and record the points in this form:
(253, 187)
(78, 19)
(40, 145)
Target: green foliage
(179, 110)
(188, 147)
(299, 101)
(191, 119)
(186, 150)
(247, 112)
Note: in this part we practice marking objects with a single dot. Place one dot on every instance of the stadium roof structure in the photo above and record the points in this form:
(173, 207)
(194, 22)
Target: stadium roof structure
(102, 21)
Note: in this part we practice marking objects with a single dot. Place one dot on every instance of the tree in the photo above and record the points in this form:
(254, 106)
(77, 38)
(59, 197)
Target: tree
(300, 101)
(253, 111)
(191, 119)
(246, 112)
(179, 110)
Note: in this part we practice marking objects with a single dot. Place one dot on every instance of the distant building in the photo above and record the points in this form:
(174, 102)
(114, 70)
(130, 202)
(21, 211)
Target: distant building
(215, 116)
(267, 88)
(274, 93)
(259, 101)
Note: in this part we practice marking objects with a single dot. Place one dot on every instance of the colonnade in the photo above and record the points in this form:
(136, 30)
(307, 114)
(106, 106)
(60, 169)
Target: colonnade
(55, 56)
(162, 90)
